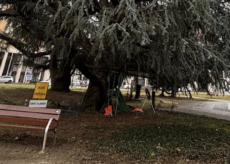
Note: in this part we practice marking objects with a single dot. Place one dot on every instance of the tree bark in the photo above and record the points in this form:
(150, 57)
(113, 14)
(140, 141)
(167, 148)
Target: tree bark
(60, 74)
(95, 97)
(60, 83)
(96, 94)
(174, 91)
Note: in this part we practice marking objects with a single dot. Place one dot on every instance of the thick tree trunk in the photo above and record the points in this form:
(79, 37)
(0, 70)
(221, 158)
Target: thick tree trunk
(95, 97)
(174, 91)
(162, 92)
(60, 74)
(60, 83)
(96, 94)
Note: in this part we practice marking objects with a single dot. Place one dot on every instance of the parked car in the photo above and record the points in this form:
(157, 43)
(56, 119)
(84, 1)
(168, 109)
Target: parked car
(6, 79)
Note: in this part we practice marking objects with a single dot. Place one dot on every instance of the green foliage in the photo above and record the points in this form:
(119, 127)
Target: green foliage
(68, 109)
(173, 42)
(151, 141)
(179, 39)
(16, 86)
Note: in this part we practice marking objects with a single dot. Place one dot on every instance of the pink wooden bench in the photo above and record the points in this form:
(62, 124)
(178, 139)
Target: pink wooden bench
(30, 118)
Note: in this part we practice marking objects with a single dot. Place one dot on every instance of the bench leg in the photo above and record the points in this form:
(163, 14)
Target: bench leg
(45, 135)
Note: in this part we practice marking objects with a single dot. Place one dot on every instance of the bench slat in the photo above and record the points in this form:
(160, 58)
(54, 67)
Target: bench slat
(28, 115)
(27, 121)
(30, 109)
(30, 118)
(23, 127)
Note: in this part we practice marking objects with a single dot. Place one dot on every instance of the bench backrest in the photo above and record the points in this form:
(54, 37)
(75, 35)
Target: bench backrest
(28, 115)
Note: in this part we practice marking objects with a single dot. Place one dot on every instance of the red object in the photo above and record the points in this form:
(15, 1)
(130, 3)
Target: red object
(137, 110)
(108, 110)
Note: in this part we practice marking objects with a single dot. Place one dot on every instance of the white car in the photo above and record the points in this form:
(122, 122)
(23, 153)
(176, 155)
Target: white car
(6, 79)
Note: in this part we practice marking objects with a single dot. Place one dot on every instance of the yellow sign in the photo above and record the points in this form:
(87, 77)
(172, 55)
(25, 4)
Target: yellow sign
(40, 90)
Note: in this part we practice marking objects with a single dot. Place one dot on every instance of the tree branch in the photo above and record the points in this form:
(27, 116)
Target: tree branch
(103, 3)
(17, 44)
(8, 14)
(13, 2)
(21, 46)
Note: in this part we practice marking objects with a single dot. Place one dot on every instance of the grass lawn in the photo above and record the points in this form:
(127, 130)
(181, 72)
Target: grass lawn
(90, 137)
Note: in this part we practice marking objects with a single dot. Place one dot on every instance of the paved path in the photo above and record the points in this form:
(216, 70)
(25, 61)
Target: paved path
(216, 109)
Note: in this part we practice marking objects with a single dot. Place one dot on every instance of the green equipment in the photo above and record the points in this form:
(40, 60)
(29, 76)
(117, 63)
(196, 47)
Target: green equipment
(114, 95)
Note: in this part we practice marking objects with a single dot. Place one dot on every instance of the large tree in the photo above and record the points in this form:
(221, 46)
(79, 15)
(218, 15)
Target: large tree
(27, 24)
(178, 41)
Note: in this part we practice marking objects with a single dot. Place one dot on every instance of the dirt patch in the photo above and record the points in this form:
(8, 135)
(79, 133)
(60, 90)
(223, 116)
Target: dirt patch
(75, 136)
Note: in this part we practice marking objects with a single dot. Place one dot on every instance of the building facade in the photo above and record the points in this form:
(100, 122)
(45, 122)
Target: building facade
(11, 63)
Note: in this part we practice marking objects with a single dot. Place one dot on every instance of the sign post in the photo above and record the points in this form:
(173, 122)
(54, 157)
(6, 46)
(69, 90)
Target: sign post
(38, 103)
(39, 95)
(40, 90)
